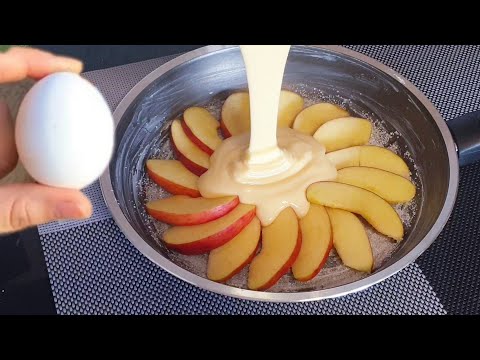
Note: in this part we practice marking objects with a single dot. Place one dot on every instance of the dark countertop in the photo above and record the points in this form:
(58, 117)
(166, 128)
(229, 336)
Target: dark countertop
(24, 283)
(97, 57)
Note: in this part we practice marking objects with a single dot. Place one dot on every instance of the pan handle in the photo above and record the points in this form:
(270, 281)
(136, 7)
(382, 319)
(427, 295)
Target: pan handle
(466, 132)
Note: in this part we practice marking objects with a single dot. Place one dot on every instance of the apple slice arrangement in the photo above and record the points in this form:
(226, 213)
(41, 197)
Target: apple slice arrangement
(370, 180)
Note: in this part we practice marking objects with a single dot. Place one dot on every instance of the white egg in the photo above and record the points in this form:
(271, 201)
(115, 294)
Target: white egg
(64, 132)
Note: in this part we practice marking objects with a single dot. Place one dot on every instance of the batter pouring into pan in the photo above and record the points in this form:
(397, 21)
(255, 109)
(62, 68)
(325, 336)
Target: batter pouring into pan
(283, 188)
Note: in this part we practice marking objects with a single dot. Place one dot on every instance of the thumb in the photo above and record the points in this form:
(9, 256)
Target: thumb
(26, 205)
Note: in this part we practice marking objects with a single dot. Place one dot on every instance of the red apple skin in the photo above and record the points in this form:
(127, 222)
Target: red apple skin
(171, 187)
(320, 267)
(225, 132)
(216, 240)
(196, 140)
(190, 165)
(193, 219)
(240, 268)
(284, 269)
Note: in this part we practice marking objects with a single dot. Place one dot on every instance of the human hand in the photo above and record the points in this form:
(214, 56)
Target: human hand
(26, 205)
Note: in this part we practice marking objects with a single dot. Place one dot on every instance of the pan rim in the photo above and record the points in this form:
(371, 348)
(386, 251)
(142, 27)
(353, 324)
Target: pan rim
(307, 296)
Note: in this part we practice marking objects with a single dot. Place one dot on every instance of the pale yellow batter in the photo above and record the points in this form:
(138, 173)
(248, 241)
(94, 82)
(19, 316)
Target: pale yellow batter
(268, 168)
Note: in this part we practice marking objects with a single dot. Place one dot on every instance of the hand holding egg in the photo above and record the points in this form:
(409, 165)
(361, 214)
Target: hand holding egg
(63, 137)
(64, 132)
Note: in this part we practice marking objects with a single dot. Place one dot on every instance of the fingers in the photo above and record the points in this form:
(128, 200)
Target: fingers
(8, 151)
(26, 205)
(19, 63)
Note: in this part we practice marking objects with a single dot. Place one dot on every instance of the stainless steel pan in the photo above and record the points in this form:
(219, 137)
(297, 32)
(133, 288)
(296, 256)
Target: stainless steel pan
(364, 85)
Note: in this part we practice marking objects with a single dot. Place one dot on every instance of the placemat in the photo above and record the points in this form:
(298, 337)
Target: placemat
(94, 269)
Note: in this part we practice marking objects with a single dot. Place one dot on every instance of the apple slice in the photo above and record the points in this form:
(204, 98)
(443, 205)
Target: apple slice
(236, 114)
(290, 106)
(316, 243)
(344, 132)
(226, 134)
(184, 210)
(347, 157)
(351, 241)
(389, 186)
(281, 242)
(202, 128)
(188, 153)
(228, 260)
(370, 206)
(369, 156)
(173, 177)
(311, 118)
(199, 239)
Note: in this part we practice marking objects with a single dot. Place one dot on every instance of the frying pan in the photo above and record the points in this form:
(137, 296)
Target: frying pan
(206, 76)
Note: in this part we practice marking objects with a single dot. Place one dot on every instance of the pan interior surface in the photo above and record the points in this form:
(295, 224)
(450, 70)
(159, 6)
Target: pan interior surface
(401, 122)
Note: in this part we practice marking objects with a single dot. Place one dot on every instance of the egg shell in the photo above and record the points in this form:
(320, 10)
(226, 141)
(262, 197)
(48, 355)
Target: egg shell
(64, 132)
